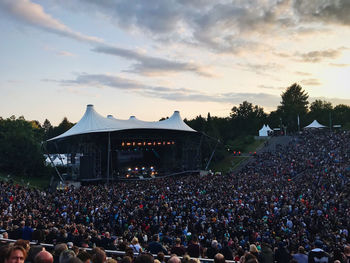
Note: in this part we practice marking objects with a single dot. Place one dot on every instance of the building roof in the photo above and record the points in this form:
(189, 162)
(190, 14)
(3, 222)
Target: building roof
(92, 122)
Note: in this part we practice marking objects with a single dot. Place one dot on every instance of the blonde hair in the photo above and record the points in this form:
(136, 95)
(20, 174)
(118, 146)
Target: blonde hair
(134, 241)
(253, 248)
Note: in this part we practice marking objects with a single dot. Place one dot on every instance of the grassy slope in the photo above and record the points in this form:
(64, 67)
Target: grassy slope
(230, 162)
(41, 183)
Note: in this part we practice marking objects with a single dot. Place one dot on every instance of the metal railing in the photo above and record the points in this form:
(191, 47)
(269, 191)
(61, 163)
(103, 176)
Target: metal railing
(109, 252)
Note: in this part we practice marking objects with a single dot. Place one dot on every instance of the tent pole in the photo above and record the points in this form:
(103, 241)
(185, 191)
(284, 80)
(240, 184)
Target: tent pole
(212, 154)
(43, 145)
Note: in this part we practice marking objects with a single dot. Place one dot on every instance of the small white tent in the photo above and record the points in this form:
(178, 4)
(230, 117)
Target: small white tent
(268, 129)
(264, 131)
(314, 125)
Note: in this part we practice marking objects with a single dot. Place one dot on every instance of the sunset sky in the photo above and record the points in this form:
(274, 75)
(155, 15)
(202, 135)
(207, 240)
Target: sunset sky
(150, 57)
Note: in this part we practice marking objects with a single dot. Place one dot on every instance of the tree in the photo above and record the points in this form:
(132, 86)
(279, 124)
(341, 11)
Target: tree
(20, 147)
(64, 126)
(247, 118)
(341, 114)
(320, 111)
(294, 103)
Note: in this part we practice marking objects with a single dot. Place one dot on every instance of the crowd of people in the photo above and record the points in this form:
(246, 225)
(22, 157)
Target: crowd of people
(288, 204)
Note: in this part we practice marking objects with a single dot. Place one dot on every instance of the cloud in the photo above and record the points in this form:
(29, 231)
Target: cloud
(271, 87)
(320, 55)
(301, 73)
(166, 93)
(260, 68)
(311, 82)
(149, 65)
(339, 65)
(65, 53)
(33, 14)
(221, 26)
(327, 11)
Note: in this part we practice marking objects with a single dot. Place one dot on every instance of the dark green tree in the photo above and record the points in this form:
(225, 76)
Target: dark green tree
(20, 144)
(294, 103)
(64, 126)
(320, 111)
(341, 114)
(247, 118)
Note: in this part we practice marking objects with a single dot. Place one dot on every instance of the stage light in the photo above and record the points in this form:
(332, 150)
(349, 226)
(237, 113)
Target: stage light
(128, 144)
(172, 142)
(128, 175)
(149, 143)
(152, 167)
(123, 143)
(168, 143)
(143, 168)
(139, 143)
(159, 143)
(133, 143)
(164, 143)
(136, 169)
(129, 169)
(144, 143)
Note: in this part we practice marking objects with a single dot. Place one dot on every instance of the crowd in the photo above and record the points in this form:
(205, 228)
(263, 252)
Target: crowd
(288, 204)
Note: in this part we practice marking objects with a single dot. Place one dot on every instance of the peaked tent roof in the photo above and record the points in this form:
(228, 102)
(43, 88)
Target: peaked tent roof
(315, 124)
(94, 122)
(268, 127)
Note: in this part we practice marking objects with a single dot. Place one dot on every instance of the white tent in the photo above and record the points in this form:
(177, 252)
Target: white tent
(93, 122)
(264, 131)
(268, 128)
(314, 125)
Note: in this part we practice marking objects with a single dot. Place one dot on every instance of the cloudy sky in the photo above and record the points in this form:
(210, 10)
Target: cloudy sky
(149, 58)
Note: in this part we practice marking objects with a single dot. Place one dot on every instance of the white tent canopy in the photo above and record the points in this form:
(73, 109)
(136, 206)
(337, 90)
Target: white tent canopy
(315, 125)
(94, 122)
(264, 131)
(268, 128)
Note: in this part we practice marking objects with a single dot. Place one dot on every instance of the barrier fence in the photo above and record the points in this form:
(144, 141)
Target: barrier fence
(110, 252)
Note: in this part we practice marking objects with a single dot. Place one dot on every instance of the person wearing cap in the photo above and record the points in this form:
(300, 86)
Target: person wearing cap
(318, 254)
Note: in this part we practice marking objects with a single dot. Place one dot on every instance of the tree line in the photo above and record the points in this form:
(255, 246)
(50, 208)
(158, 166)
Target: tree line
(21, 140)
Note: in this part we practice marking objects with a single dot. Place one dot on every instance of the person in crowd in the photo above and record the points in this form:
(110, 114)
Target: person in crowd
(155, 246)
(178, 249)
(282, 254)
(84, 256)
(66, 255)
(318, 254)
(254, 250)
(144, 258)
(194, 249)
(15, 254)
(227, 251)
(219, 258)
(213, 249)
(43, 257)
(301, 256)
(174, 259)
(135, 245)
